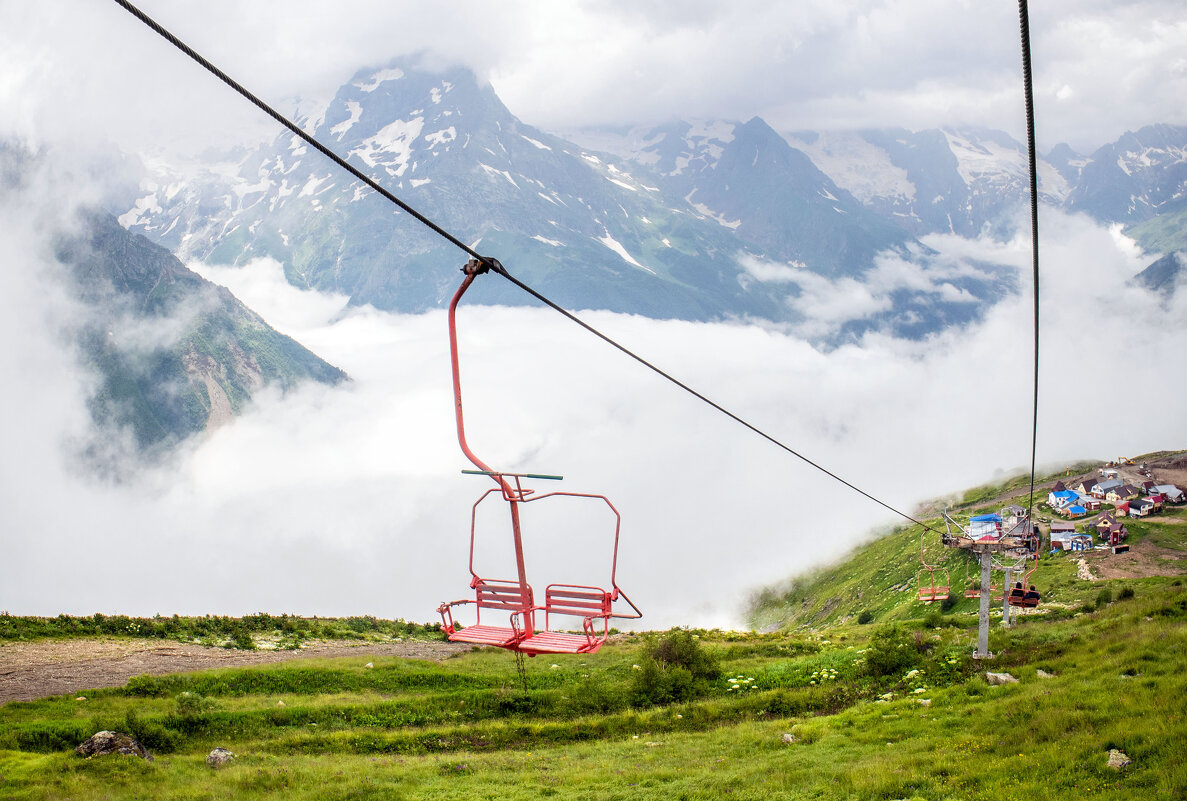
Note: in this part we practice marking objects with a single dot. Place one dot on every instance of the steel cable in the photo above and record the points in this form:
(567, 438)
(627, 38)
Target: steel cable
(1024, 25)
(492, 264)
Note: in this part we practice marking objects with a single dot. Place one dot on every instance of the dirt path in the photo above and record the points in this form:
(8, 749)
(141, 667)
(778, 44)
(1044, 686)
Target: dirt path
(1142, 560)
(30, 670)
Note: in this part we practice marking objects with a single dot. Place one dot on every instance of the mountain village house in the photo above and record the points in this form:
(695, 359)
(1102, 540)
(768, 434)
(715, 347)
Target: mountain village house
(1087, 494)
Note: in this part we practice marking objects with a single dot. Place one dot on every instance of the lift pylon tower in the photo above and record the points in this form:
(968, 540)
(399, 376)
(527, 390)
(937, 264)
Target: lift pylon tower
(989, 536)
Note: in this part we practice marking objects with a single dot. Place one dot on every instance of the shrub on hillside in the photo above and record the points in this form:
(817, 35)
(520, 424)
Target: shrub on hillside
(151, 734)
(675, 668)
(890, 651)
(1104, 598)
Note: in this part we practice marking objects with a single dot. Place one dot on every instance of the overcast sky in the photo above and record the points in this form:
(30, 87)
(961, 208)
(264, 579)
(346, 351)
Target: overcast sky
(1101, 66)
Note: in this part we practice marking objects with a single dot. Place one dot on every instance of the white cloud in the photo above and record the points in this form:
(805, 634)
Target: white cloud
(825, 304)
(75, 68)
(349, 499)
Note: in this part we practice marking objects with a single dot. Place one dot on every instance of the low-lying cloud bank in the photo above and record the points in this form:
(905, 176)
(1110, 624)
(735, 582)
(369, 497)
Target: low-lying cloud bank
(349, 500)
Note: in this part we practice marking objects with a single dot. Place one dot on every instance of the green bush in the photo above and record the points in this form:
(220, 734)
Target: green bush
(865, 617)
(1125, 594)
(151, 734)
(891, 651)
(46, 736)
(1104, 598)
(675, 668)
(680, 648)
(190, 704)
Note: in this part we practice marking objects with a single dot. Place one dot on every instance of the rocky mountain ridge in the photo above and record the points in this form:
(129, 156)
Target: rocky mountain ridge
(700, 221)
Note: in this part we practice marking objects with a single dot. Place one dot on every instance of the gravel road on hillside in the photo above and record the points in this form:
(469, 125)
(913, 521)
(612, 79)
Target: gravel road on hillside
(30, 670)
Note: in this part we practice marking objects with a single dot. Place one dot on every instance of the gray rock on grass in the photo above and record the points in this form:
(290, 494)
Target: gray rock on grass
(1118, 759)
(998, 679)
(219, 757)
(112, 742)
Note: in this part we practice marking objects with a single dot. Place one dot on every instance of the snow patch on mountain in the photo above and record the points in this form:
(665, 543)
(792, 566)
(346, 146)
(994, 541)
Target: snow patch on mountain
(860, 168)
(356, 110)
(535, 143)
(144, 205)
(444, 136)
(984, 161)
(705, 211)
(612, 243)
(493, 171)
(393, 74)
(394, 139)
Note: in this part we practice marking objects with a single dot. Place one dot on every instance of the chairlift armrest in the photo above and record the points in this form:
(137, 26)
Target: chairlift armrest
(449, 604)
(446, 612)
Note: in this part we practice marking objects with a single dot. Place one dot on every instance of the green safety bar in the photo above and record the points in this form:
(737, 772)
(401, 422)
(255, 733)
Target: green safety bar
(516, 475)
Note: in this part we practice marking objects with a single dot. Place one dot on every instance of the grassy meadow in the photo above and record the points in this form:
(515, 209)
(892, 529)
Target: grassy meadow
(821, 707)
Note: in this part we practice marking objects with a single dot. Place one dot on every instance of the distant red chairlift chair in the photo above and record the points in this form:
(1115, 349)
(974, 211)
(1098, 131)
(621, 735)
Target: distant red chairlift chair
(932, 591)
(592, 605)
(974, 588)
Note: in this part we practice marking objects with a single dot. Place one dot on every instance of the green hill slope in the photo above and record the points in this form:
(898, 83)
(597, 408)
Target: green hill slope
(879, 581)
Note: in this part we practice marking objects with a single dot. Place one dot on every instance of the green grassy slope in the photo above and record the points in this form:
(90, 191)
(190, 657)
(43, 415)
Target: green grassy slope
(875, 713)
(881, 578)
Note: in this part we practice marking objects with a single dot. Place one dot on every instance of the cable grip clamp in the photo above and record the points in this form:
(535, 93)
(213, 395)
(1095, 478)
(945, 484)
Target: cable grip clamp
(482, 265)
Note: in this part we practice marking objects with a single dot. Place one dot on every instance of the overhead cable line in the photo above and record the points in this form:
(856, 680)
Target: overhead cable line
(491, 263)
(1027, 84)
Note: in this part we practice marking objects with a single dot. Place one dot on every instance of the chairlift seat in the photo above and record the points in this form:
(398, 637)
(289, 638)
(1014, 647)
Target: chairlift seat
(931, 591)
(1024, 599)
(493, 595)
(929, 594)
(591, 604)
(974, 591)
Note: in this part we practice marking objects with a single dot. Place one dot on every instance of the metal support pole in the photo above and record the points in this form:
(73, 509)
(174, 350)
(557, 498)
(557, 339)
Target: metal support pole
(982, 651)
(1006, 608)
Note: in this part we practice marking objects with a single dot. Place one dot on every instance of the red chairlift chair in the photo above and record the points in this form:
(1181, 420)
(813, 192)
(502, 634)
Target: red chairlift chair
(974, 588)
(933, 591)
(1020, 595)
(593, 606)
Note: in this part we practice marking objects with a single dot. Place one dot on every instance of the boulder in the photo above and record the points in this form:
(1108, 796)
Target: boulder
(789, 738)
(111, 742)
(1118, 759)
(219, 757)
(997, 679)
(1042, 674)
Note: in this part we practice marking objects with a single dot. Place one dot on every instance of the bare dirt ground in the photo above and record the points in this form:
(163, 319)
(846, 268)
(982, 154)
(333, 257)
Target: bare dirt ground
(30, 670)
(1170, 470)
(1142, 560)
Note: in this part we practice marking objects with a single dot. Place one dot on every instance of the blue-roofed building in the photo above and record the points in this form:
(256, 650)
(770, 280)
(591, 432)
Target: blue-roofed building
(1062, 498)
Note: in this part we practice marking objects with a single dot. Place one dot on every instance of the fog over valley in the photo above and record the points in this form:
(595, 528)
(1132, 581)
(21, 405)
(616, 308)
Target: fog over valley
(349, 500)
